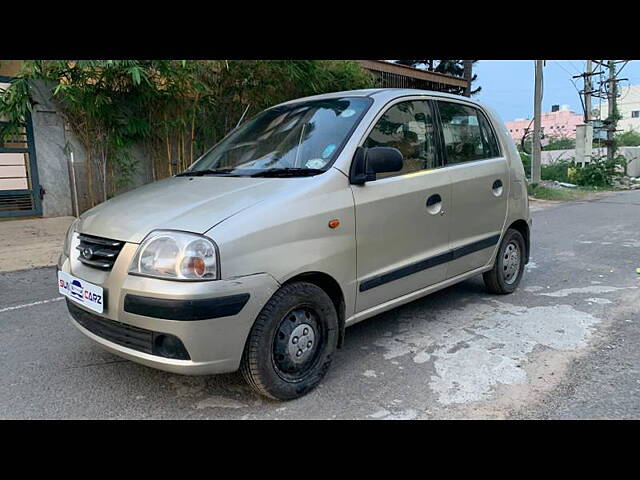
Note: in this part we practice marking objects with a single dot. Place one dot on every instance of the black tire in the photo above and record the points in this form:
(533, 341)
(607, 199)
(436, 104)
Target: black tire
(269, 361)
(497, 280)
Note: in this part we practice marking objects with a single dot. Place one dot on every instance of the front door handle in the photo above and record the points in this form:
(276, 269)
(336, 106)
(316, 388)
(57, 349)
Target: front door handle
(433, 199)
(434, 204)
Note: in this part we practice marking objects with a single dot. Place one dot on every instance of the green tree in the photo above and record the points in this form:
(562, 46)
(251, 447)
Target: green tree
(630, 138)
(175, 109)
(449, 67)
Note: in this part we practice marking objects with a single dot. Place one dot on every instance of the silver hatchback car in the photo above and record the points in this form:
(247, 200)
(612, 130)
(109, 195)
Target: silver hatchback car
(314, 215)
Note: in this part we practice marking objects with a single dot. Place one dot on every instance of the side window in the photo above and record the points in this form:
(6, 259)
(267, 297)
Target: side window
(467, 133)
(488, 137)
(407, 126)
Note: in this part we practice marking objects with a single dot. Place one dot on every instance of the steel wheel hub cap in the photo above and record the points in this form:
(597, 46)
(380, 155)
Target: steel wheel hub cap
(511, 263)
(301, 341)
(295, 346)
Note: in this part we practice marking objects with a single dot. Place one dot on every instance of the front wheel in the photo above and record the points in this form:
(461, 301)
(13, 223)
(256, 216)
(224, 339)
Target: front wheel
(292, 342)
(507, 270)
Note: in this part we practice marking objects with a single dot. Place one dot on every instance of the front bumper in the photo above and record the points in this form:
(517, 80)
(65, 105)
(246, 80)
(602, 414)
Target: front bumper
(211, 319)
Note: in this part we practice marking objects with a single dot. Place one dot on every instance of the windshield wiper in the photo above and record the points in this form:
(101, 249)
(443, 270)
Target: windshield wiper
(200, 173)
(288, 172)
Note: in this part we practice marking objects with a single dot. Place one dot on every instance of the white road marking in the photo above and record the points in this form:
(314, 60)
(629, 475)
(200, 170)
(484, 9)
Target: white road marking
(32, 304)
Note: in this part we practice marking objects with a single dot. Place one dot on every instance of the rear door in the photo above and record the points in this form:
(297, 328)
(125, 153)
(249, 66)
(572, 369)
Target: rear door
(479, 176)
(401, 233)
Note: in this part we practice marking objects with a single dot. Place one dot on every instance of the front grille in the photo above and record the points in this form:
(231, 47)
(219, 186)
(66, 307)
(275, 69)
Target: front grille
(136, 338)
(98, 252)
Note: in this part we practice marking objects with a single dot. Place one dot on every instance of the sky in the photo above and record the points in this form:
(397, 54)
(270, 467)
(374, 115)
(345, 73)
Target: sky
(507, 85)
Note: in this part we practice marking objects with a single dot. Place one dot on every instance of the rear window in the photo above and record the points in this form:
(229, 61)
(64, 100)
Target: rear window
(467, 133)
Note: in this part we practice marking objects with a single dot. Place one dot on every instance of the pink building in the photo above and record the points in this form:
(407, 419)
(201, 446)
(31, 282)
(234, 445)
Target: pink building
(559, 123)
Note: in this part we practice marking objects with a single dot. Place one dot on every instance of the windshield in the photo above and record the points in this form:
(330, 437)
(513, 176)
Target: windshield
(301, 138)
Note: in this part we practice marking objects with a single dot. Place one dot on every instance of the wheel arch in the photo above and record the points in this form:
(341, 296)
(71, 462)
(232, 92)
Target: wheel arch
(523, 227)
(332, 288)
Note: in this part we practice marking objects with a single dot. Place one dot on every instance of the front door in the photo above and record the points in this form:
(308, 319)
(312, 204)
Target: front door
(479, 185)
(402, 231)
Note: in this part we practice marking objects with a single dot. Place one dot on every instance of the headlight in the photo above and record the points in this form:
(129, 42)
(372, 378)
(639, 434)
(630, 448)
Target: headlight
(69, 237)
(177, 256)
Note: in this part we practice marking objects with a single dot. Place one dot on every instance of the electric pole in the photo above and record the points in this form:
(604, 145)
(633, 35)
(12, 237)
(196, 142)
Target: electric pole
(584, 133)
(612, 103)
(611, 94)
(588, 86)
(537, 110)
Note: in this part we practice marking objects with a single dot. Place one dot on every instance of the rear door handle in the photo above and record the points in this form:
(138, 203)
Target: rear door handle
(434, 204)
(433, 199)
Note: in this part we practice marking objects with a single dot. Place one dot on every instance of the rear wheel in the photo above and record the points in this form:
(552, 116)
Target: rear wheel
(507, 271)
(292, 342)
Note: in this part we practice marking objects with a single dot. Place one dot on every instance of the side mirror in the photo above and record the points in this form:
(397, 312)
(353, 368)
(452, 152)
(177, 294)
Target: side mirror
(367, 162)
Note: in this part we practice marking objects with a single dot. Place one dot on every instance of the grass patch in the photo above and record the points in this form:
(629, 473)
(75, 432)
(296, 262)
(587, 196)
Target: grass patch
(562, 194)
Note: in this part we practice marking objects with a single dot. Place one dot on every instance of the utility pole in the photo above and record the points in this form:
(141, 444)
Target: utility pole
(612, 103)
(588, 86)
(537, 110)
(611, 94)
(584, 133)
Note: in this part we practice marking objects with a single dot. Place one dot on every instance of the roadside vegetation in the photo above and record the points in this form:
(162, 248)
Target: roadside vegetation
(579, 180)
(629, 138)
(560, 143)
(600, 172)
(173, 109)
(542, 192)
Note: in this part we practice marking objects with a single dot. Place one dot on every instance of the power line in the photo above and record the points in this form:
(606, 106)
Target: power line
(560, 65)
(625, 64)
(574, 67)
(574, 86)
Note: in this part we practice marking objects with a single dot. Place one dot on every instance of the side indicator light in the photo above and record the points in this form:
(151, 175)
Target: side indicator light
(335, 223)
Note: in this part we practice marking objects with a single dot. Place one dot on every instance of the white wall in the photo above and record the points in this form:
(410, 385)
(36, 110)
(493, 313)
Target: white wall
(632, 154)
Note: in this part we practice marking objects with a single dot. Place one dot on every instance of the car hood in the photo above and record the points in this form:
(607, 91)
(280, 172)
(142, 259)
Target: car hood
(192, 204)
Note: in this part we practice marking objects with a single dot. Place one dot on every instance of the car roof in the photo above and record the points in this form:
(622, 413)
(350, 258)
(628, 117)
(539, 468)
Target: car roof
(381, 93)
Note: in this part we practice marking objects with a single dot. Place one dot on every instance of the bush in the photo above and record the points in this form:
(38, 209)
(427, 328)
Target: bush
(559, 143)
(599, 172)
(630, 138)
(558, 170)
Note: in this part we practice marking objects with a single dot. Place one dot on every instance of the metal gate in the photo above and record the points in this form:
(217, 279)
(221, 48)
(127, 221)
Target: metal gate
(19, 186)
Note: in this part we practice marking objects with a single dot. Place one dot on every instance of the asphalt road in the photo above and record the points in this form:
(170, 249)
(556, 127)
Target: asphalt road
(563, 346)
